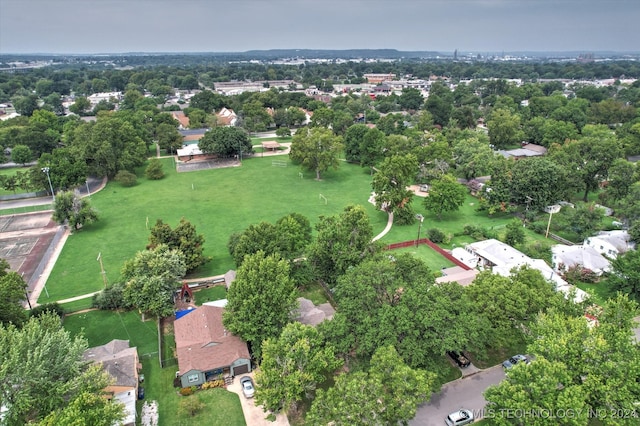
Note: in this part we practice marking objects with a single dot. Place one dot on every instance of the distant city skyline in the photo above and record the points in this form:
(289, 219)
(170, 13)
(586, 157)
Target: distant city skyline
(470, 26)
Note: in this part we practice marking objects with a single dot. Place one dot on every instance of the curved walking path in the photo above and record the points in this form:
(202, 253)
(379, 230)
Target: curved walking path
(386, 228)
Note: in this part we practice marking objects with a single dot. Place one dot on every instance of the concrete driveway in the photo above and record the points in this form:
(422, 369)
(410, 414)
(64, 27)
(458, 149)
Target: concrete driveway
(462, 393)
(253, 414)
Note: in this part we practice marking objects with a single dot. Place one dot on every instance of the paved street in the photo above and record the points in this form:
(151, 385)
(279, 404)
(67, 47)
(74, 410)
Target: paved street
(462, 393)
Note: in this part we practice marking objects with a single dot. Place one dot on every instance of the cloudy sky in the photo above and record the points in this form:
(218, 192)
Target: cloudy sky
(474, 26)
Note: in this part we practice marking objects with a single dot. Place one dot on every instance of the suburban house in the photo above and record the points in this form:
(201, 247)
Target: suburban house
(501, 259)
(206, 350)
(181, 118)
(227, 117)
(565, 257)
(611, 243)
(526, 150)
(96, 98)
(122, 363)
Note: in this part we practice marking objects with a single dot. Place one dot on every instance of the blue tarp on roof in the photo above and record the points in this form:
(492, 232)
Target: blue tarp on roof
(180, 314)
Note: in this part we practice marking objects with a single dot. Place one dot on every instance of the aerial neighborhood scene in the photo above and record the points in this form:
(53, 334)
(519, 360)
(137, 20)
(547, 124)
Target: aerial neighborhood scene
(420, 212)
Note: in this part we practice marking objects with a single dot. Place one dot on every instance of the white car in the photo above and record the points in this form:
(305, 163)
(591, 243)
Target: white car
(460, 417)
(247, 387)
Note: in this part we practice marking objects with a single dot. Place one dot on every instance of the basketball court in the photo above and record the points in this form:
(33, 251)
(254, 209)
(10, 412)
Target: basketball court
(24, 239)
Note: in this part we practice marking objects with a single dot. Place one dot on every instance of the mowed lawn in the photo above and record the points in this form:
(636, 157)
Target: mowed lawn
(218, 202)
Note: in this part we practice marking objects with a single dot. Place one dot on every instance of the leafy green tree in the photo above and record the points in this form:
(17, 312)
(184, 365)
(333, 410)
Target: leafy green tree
(255, 117)
(80, 106)
(207, 101)
(316, 149)
(372, 147)
(25, 105)
(12, 294)
(190, 406)
(542, 386)
(625, 276)
(515, 233)
(603, 359)
(342, 241)
(43, 370)
(70, 208)
(352, 139)
(21, 154)
(537, 182)
(390, 183)
(511, 303)
(66, 170)
(283, 132)
(109, 145)
(583, 220)
(292, 366)
(445, 195)
(621, 177)
(411, 99)
(260, 300)
(87, 408)
(154, 170)
(389, 393)
(473, 157)
(226, 142)
(151, 278)
(184, 238)
(504, 128)
(168, 137)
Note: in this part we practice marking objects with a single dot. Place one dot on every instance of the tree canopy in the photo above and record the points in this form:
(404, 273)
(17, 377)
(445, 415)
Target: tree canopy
(184, 238)
(316, 149)
(12, 294)
(261, 300)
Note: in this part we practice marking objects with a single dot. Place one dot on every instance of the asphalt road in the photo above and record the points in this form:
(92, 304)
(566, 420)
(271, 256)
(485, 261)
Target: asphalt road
(462, 393)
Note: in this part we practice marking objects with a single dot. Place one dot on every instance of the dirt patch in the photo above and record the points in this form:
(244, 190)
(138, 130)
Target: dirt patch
(212, 163)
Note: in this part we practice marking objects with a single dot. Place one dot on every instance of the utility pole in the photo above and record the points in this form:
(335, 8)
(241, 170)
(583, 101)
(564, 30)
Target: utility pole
(104, 275)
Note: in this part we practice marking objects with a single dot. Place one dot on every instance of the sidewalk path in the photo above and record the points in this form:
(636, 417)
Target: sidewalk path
(386, 228)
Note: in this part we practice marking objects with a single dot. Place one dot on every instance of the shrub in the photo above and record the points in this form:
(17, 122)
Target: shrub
(213, 384)
(436, 235)
(186, 391)
(154, 170)
(111, 298)
(580, 273)
(190, 406)
(126, 178)
(48, 307)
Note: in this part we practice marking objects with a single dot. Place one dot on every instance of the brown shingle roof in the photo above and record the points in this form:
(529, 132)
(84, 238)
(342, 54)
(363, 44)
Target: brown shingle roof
(202, 342)
(117, 359)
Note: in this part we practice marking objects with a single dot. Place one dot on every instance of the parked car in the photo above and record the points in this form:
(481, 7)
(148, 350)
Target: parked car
(460, 417)
(247, 386)
(508, 364)
(140, 392)
(459, 358)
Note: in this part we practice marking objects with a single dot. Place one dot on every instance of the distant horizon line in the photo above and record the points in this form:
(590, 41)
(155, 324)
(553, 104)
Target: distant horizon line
(203, 52)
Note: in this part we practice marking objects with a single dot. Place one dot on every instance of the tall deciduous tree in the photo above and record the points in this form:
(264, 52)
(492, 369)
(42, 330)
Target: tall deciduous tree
(626, 274)
(292, 366)
(21, 154)
(87, 408)
(43, 370)
(342, 242)
(388, 394)
(352, 140)
(12, 294)
(316, 149)
(70, 208)
(226, 142)
(390, 184)
(261, 300)
(184, 238)
(445, 195)
(504, 128)
(151, 279)
(542, 386)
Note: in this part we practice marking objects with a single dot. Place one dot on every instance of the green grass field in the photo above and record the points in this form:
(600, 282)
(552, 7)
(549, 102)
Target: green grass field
(218, 202)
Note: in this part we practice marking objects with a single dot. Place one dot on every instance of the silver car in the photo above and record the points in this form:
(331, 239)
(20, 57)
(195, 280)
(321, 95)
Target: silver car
(247, 386)
(460, 417)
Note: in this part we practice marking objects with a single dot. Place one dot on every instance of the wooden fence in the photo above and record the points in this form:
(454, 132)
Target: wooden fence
(431, 244)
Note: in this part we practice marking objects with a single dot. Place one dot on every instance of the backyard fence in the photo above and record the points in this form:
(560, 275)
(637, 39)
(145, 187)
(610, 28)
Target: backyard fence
(164, 362)
(431, 244)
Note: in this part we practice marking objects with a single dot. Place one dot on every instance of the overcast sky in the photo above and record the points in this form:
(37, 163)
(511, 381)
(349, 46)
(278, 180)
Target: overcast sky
(471, 26)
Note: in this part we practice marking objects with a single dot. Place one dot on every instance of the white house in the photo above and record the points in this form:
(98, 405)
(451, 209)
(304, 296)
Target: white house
(565, 257)
(611, 243)
(501, 259)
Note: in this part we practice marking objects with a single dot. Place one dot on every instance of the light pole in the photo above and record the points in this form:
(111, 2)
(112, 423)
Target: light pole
(45, 170)
(551, 210)
(421, 219)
